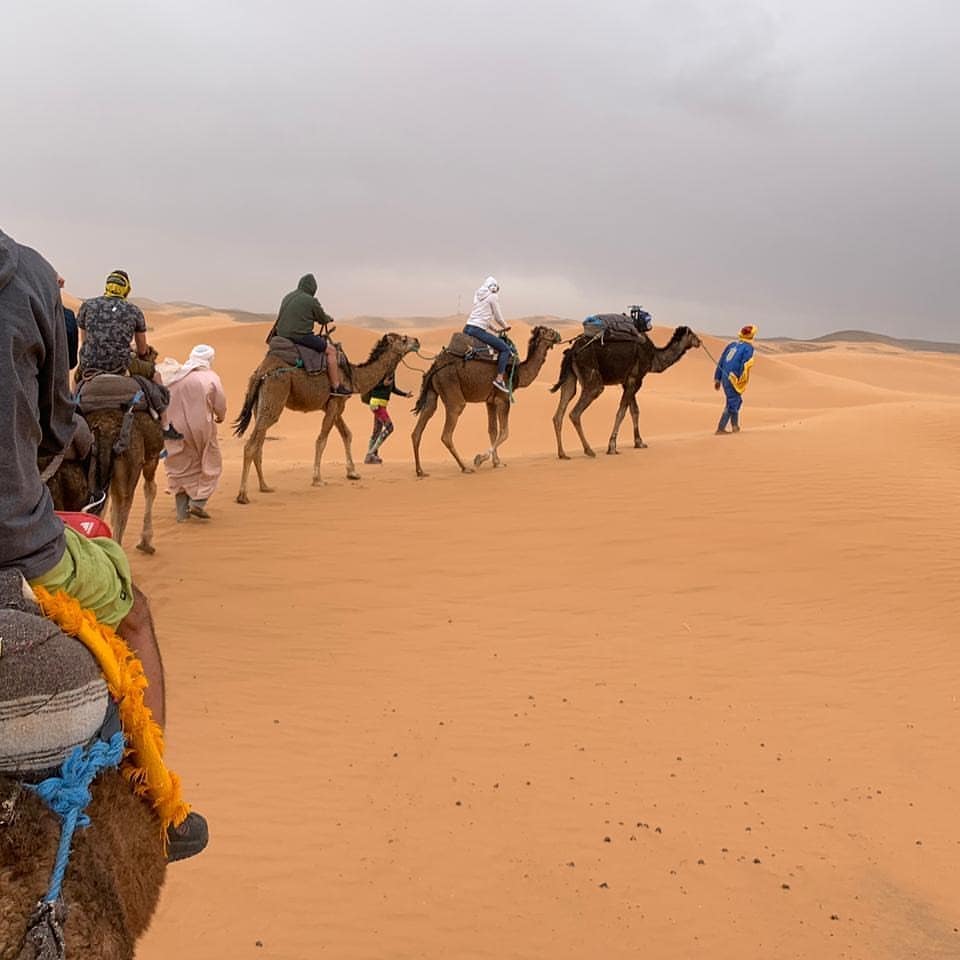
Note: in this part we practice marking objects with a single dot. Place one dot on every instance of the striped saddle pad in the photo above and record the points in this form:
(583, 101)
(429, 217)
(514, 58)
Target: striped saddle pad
(52, 695)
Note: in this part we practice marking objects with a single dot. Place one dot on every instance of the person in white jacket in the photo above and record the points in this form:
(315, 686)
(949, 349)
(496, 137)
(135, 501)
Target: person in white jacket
(485, 322)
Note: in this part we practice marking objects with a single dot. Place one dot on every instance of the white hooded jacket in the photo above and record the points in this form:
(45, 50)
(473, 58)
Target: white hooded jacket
(486, 308)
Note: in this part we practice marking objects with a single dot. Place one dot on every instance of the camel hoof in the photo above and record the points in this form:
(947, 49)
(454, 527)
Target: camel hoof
(590, 453)
(242, 498)
(613, 452)
(467, 469)
(640, 446)
(562, 456)
(146, 548)
(353, 475)
(266, 489)
(499, 463)
(317, 483)
(480, 459)
(421, 475)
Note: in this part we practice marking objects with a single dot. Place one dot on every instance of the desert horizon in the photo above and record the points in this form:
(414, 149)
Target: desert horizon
(685, 700)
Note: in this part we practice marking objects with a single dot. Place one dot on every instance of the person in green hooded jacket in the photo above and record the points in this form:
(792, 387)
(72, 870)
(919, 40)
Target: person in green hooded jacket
(299, 312)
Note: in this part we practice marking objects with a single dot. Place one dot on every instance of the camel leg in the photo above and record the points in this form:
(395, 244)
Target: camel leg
(635, 414)
(503, 431)
(568, 390)
(587, 396)
(625, 397)
(429, 409)
(492, 430)
(347, 437)
(453, 409)
(329, 419)
(122, 488)
(149, 495)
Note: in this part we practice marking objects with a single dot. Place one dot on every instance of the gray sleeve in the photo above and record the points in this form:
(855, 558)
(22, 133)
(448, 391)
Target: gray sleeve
(141, 323)
(55, 404)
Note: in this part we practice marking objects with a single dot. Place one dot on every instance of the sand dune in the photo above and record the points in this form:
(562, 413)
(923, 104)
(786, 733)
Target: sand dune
(694, 700)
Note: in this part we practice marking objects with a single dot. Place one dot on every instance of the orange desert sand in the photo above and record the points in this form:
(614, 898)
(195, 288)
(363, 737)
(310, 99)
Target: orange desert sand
(699, 700)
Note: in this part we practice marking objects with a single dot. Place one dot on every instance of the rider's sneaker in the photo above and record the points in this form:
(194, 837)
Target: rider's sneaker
(188, 839)
(341, 391)
(372, 458)
(172, 433)
(500, 385)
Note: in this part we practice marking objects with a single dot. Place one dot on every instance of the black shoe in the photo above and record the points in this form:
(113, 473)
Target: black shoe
(341, 391)
(172, 433)
(188, 839)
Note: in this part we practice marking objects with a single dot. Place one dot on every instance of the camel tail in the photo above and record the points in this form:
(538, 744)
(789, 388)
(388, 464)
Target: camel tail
(249, 403)
(425, 388)
(566, 368)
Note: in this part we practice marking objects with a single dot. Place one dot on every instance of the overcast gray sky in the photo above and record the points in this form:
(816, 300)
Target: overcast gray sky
(790, 162)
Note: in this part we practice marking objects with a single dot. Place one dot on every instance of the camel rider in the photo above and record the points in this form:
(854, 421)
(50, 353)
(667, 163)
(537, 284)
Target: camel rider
(38, 421)
(107, 324)
(485, 322)
(299, 311)
(733, 374)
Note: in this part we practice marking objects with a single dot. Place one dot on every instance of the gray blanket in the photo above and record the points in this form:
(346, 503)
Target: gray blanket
(296, 355)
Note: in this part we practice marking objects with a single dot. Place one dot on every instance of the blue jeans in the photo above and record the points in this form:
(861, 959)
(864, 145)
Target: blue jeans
(312, 341)
(490, 340)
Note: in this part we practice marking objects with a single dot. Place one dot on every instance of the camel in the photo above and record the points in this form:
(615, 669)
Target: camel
(592, 365)
(458, 382)
(275, 385)
(113, 880)
(117, 474)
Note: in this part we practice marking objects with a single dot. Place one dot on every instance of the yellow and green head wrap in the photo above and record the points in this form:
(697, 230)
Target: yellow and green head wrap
(118, 284)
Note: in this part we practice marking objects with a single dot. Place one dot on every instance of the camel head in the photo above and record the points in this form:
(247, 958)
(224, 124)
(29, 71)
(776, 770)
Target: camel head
(687, 337)
(544, 335)
(396, 343)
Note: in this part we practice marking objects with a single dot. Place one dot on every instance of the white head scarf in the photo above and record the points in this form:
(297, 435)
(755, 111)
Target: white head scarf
(488, 287)
(201, 357)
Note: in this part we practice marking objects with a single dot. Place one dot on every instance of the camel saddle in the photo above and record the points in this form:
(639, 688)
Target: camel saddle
(612, 327)
(469, 348)
(295, 355)
(111, 391)
(53, 697)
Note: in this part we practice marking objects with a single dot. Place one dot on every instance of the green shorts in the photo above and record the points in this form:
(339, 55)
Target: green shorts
(96, 573)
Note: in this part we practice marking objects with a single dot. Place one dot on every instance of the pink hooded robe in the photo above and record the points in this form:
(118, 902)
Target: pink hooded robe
(197, 402)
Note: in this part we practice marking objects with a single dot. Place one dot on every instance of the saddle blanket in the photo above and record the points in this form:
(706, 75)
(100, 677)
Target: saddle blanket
(312, 361)
(52, 694)
(463, 345)
(111, 391)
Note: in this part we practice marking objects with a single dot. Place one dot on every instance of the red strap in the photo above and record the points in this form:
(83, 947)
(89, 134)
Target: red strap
(85, 523)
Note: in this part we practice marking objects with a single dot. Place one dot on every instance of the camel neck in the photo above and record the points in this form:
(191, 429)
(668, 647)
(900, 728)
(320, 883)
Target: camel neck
(367, 375)
(528, 369)
(667, 356)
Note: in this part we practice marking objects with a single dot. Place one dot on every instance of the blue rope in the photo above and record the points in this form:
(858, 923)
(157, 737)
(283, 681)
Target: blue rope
(68, 795)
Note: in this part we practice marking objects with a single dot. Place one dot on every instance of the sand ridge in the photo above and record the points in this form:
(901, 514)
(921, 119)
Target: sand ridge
(695, 700)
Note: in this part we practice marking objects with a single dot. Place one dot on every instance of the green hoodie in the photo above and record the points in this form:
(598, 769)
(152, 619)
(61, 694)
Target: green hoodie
(299, 310)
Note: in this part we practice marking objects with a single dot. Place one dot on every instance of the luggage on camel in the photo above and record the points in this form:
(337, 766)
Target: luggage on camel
(296, 355)
(53, 697)
(618, 326)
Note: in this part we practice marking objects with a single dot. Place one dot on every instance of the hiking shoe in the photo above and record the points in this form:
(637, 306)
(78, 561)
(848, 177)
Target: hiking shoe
(198, 512)
(341, 391)
(500, 385)
(188, 839)
(172, 433)
(372, 458)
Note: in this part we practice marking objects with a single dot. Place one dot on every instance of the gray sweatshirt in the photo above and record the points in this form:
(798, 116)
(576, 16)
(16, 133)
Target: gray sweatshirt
(36, 411)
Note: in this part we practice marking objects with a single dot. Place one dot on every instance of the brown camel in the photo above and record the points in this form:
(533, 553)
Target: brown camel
(113, 880)
(117, 474)
(458, 382)
(592, 365)
(275, 385)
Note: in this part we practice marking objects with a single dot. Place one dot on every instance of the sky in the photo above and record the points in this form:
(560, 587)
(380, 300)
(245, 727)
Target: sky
(792, 164)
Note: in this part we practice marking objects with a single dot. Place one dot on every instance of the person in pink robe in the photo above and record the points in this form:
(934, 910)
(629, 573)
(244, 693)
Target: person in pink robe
(197, 405)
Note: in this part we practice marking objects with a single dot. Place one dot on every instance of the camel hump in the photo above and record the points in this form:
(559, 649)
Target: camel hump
(470, 348)
(52, 694)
